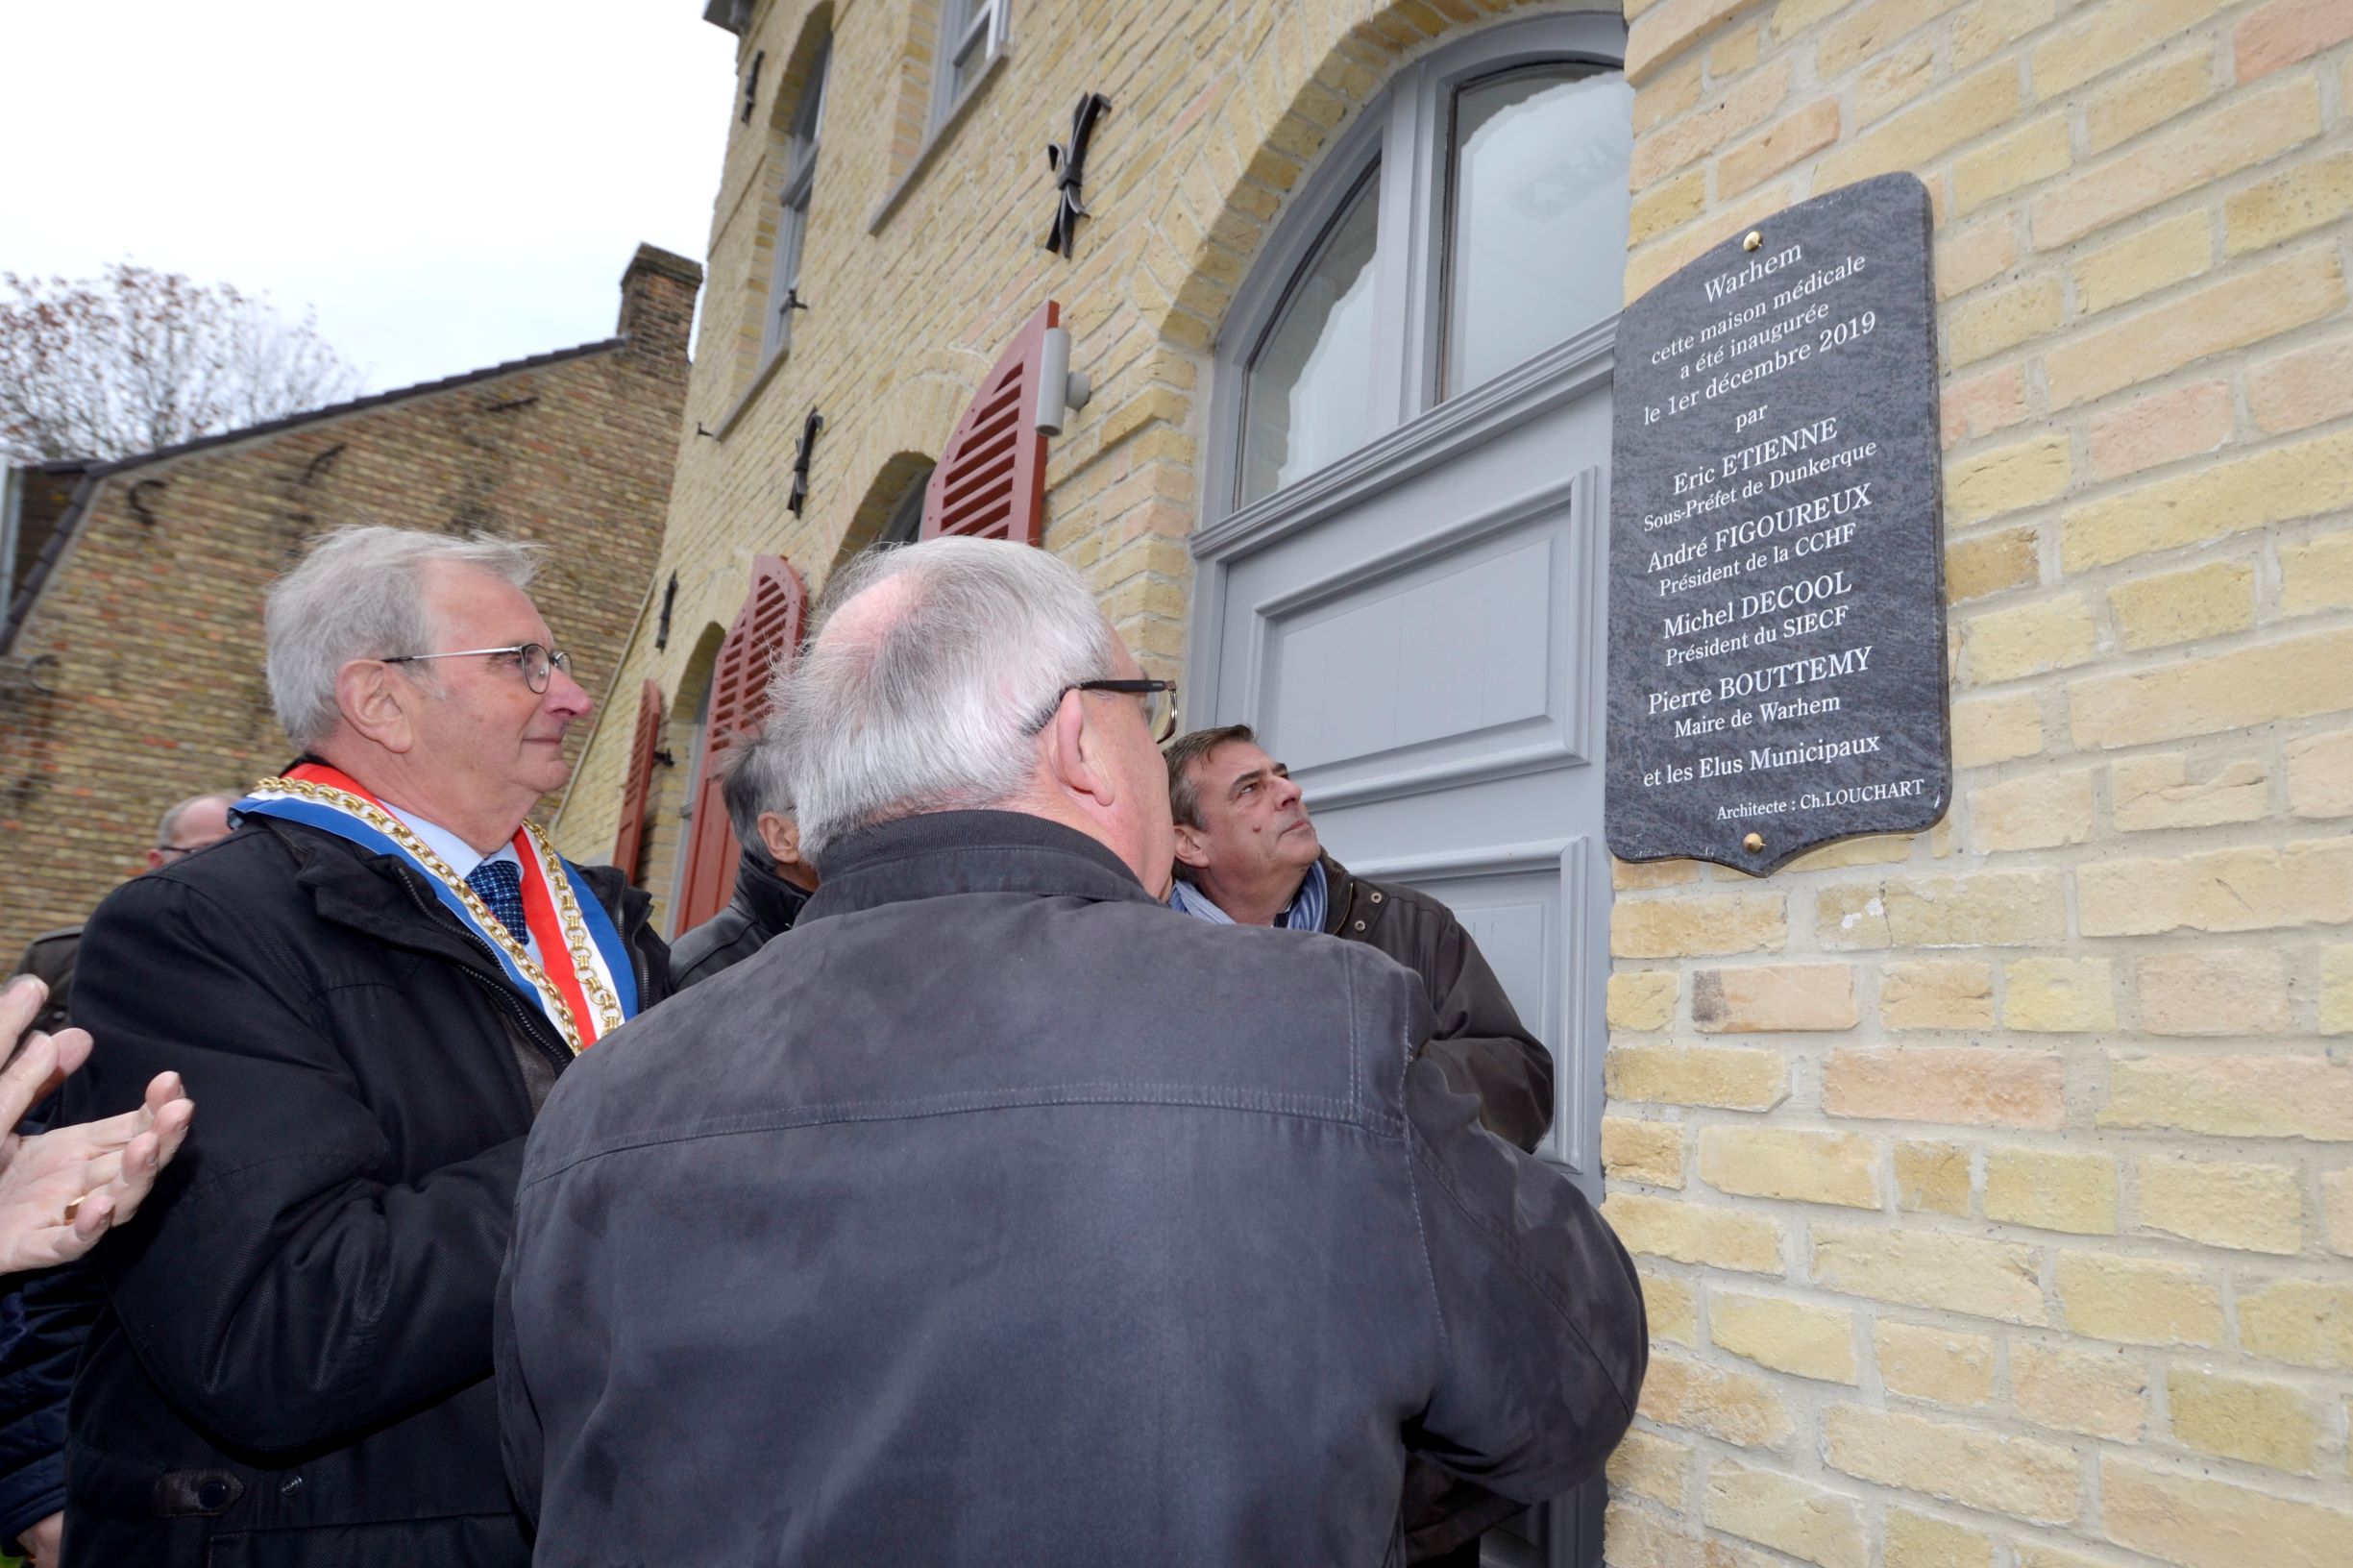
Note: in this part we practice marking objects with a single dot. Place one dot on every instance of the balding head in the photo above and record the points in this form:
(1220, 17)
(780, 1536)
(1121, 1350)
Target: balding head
(933, 683)
(191, 825)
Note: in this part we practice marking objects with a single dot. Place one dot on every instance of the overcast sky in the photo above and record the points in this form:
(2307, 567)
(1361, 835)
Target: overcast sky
(447, 183)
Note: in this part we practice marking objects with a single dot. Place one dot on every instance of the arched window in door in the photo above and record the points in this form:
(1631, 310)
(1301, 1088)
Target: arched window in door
(1474, 218)
(767, 629)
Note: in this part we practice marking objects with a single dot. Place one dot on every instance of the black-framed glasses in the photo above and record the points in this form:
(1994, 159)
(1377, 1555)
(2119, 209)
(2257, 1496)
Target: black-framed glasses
(174, 850)
(534, 661)
(1159, 703)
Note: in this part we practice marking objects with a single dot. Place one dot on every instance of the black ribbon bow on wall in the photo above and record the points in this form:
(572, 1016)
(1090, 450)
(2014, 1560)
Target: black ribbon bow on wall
(801, 454)
(1068, 161)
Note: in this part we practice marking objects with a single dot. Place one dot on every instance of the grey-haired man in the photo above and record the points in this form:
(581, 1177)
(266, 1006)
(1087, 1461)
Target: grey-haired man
(372, 984)
(998, 1214)
(773, 879)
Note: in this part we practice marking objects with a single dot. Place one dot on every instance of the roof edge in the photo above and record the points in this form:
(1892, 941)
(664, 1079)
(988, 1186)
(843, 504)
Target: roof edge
(94, 474)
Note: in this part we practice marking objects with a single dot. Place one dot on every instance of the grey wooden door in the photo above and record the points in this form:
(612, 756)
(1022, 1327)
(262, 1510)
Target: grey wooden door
(1419, 635)
(1421, 642)
(1399, 577)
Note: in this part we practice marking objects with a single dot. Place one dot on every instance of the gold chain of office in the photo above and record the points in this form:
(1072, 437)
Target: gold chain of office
(567, 908)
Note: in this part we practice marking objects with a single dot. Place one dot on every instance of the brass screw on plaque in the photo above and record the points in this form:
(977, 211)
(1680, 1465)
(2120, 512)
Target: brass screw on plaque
(1752, 843)
(1753, 241)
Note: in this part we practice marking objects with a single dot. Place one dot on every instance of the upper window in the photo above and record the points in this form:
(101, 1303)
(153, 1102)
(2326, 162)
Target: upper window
(971, 35)
(1475, 218)
(1307, 400)
(1535, 241)
(793, 221)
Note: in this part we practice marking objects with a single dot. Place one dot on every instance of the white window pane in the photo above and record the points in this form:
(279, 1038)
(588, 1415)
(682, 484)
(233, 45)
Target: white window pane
(1307, 398)
(793, 216)
(1536, 241)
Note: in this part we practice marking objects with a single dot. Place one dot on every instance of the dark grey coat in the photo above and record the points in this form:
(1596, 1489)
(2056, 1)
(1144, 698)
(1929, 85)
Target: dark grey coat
(996, 1213)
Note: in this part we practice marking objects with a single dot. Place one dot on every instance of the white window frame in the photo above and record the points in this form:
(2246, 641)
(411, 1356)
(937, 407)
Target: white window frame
(973, 30)
(1406, 131)
(801, 148)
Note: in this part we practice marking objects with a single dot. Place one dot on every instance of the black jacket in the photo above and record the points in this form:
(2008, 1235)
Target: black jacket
(1483, 1047)
(996, 1213)
(293, 1364)
(764, 907)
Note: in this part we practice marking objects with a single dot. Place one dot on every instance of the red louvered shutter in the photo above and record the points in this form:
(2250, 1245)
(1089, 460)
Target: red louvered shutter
(767, 629)
(990, 481)
(629, 849)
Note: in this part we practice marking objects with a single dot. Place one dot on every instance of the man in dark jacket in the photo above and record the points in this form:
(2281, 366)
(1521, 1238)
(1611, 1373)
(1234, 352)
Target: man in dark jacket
(44, 1320)
(1247, 854)
(370, 985)
(993, 1213)
(772, 878)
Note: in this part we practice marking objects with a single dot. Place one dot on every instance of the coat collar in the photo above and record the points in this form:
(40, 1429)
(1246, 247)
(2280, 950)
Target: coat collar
(944, 853)
(1343, 903)
(380, 897)
(773, 903)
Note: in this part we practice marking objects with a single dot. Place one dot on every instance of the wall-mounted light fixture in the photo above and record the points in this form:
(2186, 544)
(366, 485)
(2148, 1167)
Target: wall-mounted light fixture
(1060, 389)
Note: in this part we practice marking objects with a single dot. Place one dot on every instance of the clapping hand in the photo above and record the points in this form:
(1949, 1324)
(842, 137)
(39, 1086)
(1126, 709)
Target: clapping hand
(62, 1190)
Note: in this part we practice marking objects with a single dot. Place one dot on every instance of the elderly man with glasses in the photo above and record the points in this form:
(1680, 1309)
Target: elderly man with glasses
(995, 1215)
(372, 985)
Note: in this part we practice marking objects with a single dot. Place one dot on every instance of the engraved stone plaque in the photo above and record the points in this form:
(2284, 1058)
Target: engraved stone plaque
(1776, 583)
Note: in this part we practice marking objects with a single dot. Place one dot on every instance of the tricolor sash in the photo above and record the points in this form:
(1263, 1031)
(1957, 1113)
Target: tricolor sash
(582, 979)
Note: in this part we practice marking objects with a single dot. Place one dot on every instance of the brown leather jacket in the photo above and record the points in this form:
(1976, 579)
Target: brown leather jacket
(1482, 1046)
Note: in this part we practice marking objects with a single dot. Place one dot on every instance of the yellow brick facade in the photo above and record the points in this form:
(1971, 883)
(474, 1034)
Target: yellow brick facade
(1993, 1188)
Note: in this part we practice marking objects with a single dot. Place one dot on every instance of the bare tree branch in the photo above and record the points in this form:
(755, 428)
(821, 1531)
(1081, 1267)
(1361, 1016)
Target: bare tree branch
(141, 359)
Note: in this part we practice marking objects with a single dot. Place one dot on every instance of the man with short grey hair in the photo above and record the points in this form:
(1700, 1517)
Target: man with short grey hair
(772, 878)
(373, 984)
(998, 1214)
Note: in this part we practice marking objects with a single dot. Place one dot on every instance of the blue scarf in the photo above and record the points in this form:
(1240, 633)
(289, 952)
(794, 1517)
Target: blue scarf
(1306, 913)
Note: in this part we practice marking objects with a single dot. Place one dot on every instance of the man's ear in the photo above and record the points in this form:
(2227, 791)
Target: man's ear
(780, 836)
(1191, 846)
(1074, 754)
(376, 704)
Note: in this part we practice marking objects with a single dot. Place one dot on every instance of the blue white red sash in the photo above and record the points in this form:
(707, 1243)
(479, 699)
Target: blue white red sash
(582, 979)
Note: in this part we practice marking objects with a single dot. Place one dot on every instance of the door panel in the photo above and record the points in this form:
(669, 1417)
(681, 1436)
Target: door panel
(1424, 649)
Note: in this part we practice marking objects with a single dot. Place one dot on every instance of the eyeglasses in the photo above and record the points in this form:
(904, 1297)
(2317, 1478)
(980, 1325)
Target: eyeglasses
(533, 660)
(1159, 706)
(179, 848)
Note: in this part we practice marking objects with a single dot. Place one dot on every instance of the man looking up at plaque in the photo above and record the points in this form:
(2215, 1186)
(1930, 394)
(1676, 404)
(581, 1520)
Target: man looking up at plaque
(371, 984)
(995, 1215)
(1248, 853)
(773, 881)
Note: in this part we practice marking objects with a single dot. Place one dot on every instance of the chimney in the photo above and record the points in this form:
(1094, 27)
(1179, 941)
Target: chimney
(657, 303)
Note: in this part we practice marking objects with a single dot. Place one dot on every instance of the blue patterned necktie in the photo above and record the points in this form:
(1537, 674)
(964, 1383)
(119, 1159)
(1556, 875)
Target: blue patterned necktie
(499, 885)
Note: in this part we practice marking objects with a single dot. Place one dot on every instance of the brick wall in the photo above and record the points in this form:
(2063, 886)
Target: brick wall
(1993, 1187)
(150, 628)
(1993, 1190)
